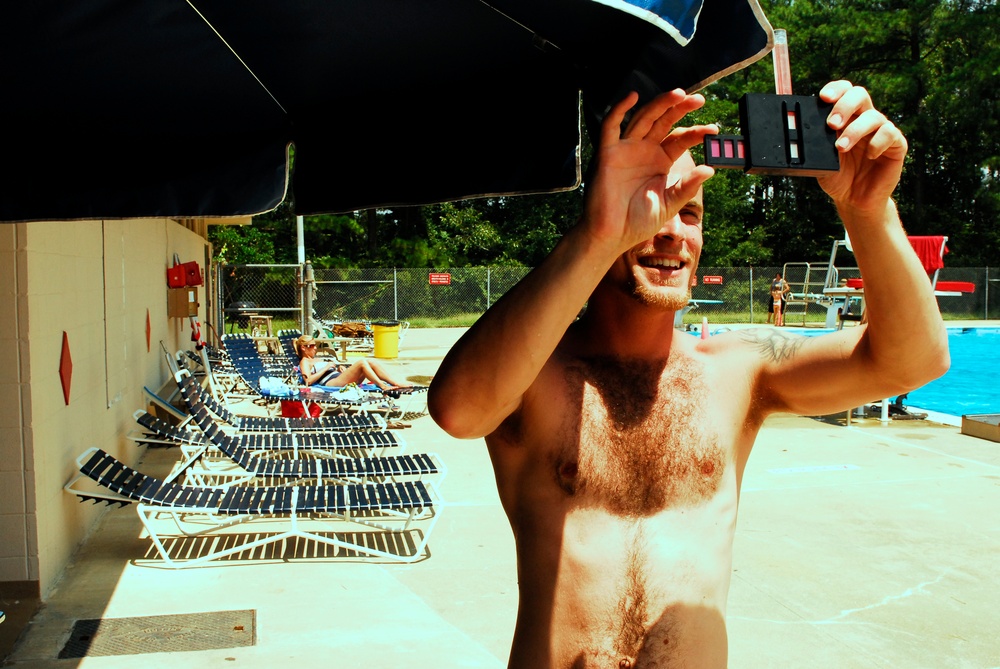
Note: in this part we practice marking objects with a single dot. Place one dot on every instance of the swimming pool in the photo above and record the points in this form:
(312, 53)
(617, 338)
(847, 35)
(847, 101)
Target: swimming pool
(970, 386)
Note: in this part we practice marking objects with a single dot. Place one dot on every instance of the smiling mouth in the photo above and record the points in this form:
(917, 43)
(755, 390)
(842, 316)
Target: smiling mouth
(664, 263)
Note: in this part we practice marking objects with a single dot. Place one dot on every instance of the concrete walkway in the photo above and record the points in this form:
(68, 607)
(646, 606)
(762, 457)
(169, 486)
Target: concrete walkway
(870, 546)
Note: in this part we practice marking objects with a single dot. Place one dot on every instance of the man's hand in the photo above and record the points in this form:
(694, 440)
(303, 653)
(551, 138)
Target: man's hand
(871, 151)
(631, 197)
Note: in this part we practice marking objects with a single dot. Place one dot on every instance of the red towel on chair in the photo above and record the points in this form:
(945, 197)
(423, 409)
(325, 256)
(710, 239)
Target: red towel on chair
(930, 250)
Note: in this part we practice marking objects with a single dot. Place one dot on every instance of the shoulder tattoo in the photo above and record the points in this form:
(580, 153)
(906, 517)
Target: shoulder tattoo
(773, 345)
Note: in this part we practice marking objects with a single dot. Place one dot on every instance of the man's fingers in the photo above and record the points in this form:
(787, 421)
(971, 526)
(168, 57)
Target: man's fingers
(611, 128)
(833, 90)
(664, 123)
(853, 102)
(855, 116)
(683, 188)
(656, 118)
(655, 121)
(645, 116)
(681, 139)
(887, 141)
(861, 127)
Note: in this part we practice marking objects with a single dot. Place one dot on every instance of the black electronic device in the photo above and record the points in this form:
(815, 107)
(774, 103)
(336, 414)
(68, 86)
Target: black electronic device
(782, 134)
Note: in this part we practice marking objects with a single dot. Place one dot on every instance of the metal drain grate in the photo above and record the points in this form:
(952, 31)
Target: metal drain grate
(161, 634)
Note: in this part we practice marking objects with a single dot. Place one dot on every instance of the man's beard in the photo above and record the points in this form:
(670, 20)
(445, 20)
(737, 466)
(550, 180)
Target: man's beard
(672, 299)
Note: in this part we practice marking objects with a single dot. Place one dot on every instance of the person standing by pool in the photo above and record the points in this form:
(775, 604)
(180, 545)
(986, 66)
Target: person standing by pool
(619, 443)
(779, 293)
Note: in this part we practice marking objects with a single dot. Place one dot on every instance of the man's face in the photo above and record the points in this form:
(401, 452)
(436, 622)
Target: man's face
(660, 271)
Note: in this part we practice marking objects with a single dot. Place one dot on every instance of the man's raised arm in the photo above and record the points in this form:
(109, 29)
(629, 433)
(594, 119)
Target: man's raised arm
(904, 343)
(486, 373)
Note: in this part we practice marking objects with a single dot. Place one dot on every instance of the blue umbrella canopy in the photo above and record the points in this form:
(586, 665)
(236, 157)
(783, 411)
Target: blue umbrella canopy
(132, 108)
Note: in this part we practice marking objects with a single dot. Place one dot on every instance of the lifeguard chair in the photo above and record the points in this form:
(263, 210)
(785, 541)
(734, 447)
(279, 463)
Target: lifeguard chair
(930, 249)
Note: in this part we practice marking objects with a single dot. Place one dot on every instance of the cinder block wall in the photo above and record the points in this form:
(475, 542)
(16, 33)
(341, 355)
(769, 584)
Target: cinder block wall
(95, 281)
(16, 504)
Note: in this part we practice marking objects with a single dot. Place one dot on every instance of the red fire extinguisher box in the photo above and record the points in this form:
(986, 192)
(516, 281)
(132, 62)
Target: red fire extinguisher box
(192, 274)
(176, 277)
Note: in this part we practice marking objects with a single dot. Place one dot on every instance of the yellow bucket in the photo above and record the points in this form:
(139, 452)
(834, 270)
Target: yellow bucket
(386, 335)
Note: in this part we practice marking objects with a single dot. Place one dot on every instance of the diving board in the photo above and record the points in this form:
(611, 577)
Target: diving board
(930, 249)
(692, 304)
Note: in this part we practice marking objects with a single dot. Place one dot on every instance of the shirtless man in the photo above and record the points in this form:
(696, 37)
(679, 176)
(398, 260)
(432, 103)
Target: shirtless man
(618, 442)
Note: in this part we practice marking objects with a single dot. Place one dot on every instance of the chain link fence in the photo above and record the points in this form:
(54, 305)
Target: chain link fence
(409, 294)
(260, 299)
(271, 297)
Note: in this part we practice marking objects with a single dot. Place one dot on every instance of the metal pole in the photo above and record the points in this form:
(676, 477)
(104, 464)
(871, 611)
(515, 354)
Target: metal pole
(308, 284)
(751, 294)
(220, 308)
(300, 231)
(300, 300)
(304, 287)
(395, 295)
(986, 314)
(488, 288)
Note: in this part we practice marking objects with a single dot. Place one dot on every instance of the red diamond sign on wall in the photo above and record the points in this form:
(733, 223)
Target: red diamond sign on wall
(65, 368)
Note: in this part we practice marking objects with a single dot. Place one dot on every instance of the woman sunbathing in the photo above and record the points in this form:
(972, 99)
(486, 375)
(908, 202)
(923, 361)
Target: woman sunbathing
(317, 372)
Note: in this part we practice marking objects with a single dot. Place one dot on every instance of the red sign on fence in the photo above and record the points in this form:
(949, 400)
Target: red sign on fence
(439, 279)
(710, 280)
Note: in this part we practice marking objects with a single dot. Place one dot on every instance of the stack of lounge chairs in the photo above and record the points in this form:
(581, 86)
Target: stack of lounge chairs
(193, 525)
(270, 488)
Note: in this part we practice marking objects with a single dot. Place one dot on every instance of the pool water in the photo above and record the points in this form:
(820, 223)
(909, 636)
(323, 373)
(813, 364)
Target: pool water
(970, 386)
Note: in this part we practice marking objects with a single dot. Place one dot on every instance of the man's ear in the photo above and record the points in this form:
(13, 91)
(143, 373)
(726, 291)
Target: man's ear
(694, 280)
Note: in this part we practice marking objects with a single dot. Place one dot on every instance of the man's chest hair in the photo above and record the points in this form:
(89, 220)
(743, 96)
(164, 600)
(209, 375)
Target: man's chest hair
(637, 435)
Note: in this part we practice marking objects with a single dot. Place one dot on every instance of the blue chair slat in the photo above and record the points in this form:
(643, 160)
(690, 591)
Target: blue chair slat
(146, 491)
(425, 497)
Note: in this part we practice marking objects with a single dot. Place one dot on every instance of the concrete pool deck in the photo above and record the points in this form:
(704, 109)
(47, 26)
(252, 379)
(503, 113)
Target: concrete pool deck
(864, 546)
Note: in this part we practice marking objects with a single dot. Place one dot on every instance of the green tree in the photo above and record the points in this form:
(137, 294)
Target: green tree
(241, 244)
(933, 67)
